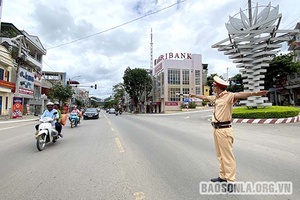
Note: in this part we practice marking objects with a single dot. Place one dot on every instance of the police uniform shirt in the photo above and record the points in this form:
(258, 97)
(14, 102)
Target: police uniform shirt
(223, 105)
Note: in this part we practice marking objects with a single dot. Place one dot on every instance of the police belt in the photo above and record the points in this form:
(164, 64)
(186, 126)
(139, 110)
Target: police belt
(218, 125)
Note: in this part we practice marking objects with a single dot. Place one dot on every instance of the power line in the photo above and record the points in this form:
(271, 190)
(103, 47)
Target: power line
(115, 27)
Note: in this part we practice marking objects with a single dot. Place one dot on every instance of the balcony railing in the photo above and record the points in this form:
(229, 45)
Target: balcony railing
(33, 61)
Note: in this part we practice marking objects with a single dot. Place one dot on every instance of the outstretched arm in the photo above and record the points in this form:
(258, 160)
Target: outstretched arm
(200, 96)
(243, 95)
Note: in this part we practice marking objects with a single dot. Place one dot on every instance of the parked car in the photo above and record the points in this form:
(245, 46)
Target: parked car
(112, 111)
(91, 113)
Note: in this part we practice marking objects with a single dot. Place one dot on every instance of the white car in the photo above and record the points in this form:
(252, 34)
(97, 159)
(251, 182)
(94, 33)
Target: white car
(111, 111)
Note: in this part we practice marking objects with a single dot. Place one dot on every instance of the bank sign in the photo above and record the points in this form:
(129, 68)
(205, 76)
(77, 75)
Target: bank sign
(26, 82)
(172, 55)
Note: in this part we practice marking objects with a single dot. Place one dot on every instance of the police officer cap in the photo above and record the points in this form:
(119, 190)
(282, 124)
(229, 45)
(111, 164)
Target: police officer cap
(56, 103)
(220, 82)
(50, 104)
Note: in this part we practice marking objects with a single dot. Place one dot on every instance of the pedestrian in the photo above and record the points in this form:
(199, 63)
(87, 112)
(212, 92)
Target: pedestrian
(223, 102)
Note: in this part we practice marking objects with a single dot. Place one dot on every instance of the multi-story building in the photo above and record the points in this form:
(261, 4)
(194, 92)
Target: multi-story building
(6, 83)
(28, 51)
(176, 75)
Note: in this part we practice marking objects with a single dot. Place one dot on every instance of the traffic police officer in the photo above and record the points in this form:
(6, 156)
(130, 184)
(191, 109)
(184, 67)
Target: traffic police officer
(223, 102)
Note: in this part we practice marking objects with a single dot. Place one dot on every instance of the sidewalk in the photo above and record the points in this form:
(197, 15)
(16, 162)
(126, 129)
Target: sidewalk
(6, 119)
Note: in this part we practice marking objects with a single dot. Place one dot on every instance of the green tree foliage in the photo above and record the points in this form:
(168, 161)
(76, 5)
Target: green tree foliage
(236, 83)
(79, 103)
(280, 67)
(119, 91)
(60, 92)
(136, 81)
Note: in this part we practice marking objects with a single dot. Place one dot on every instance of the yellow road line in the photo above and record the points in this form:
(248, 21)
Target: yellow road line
(119, 145)
(139, 195)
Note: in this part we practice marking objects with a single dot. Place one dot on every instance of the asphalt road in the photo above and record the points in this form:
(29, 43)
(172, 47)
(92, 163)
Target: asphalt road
(142, 156)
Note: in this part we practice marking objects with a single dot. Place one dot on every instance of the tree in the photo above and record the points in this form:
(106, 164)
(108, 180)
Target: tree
(136, 81)
(279, 68)
(236, 83)
(119, 91)
(60, 92)
(79, 103)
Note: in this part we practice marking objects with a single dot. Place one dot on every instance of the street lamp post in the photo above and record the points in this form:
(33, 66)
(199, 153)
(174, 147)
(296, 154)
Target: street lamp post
(70, 79)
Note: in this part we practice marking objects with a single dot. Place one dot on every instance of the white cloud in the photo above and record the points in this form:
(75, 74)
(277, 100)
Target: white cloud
(192, 26)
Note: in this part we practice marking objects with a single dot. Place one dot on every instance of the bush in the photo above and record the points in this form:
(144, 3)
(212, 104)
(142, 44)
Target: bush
(265, 112)
(191, 105)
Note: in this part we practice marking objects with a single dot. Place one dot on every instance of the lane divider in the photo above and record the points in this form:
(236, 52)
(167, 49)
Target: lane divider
(139, 195)
(119, 145)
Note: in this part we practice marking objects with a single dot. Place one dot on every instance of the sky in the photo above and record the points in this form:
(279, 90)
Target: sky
(94, 41)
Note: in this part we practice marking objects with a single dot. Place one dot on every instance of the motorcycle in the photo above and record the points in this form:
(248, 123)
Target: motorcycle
(46, 132)
(74, 119)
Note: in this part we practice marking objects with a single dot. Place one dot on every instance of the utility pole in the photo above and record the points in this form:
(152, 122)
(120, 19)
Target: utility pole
(227, 78)
(19, 61)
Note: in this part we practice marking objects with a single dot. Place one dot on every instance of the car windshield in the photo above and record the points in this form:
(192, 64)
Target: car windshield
(91, 110)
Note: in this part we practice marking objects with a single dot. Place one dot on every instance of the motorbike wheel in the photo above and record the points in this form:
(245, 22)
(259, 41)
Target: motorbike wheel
(40, 142)
(72, 124)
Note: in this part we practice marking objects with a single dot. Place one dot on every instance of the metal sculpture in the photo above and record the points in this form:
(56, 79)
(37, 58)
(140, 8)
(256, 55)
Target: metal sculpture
(252, 43)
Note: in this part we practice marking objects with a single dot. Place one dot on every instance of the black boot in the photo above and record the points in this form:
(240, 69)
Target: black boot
(218, 180)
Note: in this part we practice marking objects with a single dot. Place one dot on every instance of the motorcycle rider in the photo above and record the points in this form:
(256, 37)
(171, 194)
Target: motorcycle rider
(75, 110)
(49, 112)
(56, 107)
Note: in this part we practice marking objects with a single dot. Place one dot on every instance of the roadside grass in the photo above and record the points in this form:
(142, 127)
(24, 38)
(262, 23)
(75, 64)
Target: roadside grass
(265, 112)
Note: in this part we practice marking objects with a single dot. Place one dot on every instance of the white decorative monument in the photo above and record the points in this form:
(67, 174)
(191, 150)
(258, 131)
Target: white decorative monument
(252, 42)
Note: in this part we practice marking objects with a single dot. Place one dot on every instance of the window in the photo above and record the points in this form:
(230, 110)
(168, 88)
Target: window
(185, 77)
(197, 77)
(185, 91)
(173, 76)
(1, 74)
(174, 94)
(162, 83)
(198, 90)
(6, 103)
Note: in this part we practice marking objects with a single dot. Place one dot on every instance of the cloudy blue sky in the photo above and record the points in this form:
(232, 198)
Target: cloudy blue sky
(99, 39)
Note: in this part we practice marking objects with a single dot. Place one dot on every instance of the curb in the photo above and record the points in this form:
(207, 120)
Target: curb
(25, 119)
(268, 121)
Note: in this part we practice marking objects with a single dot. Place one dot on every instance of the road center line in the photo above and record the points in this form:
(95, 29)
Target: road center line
(119, 145)
(139, 195)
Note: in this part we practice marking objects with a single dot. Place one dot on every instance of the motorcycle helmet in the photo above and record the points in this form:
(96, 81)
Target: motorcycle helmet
(50, 104)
